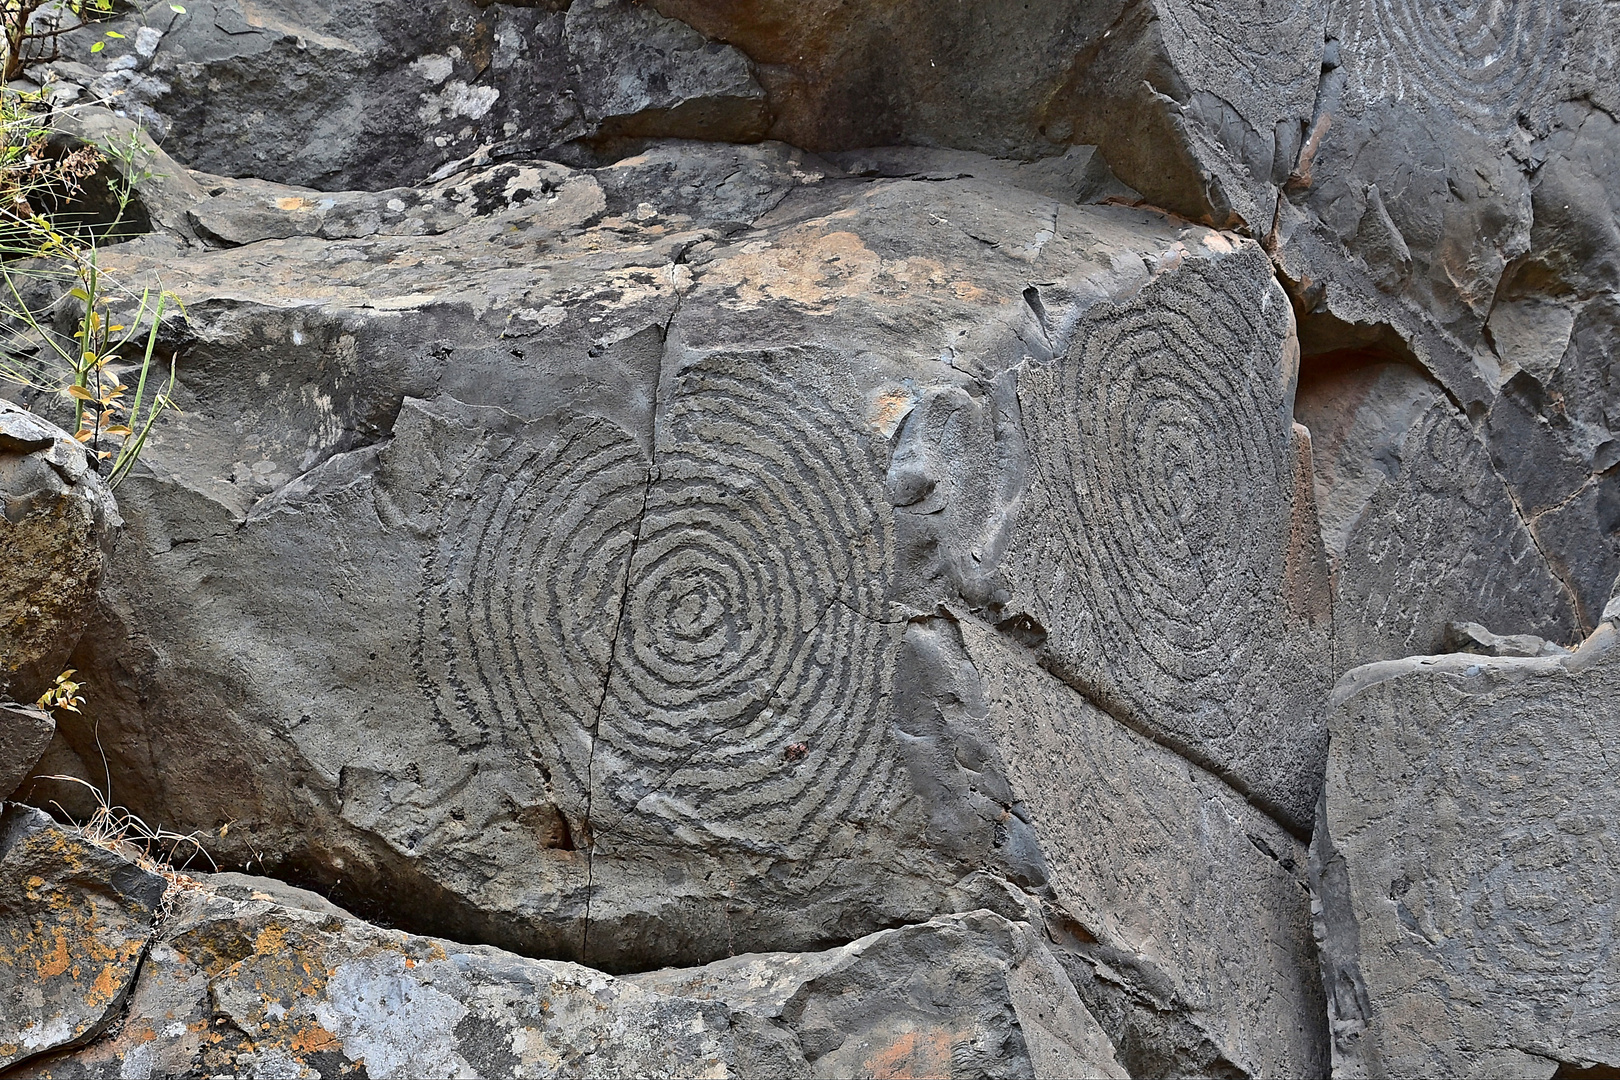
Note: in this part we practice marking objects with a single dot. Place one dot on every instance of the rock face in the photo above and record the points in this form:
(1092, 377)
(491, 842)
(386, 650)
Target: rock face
(831, 530)
(56, 522)
(1464, 865)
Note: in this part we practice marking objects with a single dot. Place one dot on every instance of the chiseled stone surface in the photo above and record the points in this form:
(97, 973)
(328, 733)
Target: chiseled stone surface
(74, 925)
(561, 561)
(1466, 862)
(1419, 527)
(1168, 545)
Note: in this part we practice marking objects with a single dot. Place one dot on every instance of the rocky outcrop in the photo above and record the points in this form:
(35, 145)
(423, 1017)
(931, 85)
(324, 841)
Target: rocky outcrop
(56, 523)
(74, 924)
(862, 607)
(1464, 865)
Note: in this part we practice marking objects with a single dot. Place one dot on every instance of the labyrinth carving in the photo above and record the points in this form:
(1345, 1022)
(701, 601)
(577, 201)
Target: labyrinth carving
(695, 644)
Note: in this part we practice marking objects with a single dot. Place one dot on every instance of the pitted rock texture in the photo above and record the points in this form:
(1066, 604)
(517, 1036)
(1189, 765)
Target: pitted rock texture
(1421, 530)
(1465, 862)
(355, 95)
(56, 530)
(74, 925)
(593, 531)
(1129, 829)
(1165, 569)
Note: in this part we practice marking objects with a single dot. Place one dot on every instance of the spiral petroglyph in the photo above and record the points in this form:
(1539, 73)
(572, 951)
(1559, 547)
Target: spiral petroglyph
(658, 634)
(525, 593)
(1490, 60)
(1159, 440)
(753, 619)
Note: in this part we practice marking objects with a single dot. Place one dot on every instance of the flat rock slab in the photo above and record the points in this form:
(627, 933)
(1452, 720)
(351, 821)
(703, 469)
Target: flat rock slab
(1193, 903)
(1420, 529)
(75, 920)
(1465, 865)
(1171, 555)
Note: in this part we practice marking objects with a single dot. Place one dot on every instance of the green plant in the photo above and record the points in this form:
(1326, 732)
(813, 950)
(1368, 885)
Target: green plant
(60, 260)
(31, 30)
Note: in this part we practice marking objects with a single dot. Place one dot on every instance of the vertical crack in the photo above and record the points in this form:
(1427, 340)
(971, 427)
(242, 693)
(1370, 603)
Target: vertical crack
(618, 632)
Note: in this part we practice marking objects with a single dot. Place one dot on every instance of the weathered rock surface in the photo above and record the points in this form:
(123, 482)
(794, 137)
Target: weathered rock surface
(25, 733)
(56, 525)
(1464, 866)
(251, 977)
(563, 558)
(1172, 556)
(74, 925)
(1130, 831)
(1419, 527)
(356, 95)
(595, 532)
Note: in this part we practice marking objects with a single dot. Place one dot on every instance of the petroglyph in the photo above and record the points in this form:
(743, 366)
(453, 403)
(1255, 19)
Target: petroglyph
(1163, 443)
(1490, 60)
(657, 636)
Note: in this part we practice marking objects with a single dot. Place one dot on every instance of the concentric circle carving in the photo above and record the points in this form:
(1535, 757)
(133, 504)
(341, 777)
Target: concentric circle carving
(661, 634)
(1489, 60)
(1157, 438)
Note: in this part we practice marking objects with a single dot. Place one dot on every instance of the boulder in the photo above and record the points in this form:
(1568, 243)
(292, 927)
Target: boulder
(1163, 874)
(355, 95)
(75, 919)
(560, 563)
(280, 982)
(1464, 865)
(56, 530)
(1169, 554)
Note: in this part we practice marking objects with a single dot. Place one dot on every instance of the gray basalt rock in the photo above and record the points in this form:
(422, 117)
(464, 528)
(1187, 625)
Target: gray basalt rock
(1420, 529)
(355, 95)
(1171, 557)
(74, 924)
(1464, 865)
(25, 733)
(1130, 830)
(561, 564)
(281, 983)
(56, 530)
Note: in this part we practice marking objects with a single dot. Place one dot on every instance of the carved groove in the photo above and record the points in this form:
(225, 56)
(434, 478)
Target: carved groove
(752, 603)
(1490, 60)
(1161, 430)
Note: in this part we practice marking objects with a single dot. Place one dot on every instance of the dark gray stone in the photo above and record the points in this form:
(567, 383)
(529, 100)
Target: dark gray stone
(25, 732)
(355, 95)
(1464, 866)
(56, 529)
(1170, 553)
(1421, 530)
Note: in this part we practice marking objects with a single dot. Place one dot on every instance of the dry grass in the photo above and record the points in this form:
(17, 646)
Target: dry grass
(114, 828)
